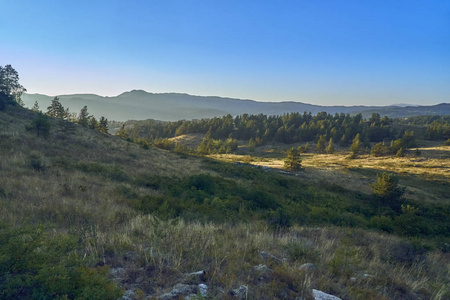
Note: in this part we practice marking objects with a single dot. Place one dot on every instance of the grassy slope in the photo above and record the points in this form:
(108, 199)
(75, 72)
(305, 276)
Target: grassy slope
(83, 182)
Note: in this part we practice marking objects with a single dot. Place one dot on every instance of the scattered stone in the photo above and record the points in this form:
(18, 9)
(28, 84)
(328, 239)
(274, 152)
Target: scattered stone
(308, 267)
(265, 256)
(240, 293)
(180, 289)
(367, 276)
(319, 295)
(131, 256)
(203, 288)
(129, 295)
(139, 279)
(261, 268)
(195, 277)
(117, 274)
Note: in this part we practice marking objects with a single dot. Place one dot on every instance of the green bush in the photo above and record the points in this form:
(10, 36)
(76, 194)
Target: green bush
(34, 265)
(36, 163)
(383, 223)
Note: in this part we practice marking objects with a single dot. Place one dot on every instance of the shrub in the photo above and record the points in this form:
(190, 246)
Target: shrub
(293, 162)
(383, 223)
(36, 163)
(386, 189)
(378, 149)
(34, 265)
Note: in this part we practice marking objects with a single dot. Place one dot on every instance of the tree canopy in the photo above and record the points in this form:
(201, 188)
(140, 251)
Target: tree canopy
(10, 88)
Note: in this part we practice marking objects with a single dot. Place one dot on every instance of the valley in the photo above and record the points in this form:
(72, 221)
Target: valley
(144, 218)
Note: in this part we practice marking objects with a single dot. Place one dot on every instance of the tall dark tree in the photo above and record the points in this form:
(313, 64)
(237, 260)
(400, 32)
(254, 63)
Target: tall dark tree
(56, 109)
(103, 125)
(10, 88)
(83, 117)
(41, 124)
(321, 144)
(387, 191)
(293, 161)
(93, 124)
(330, 149)
(356, 146)
(36, 107)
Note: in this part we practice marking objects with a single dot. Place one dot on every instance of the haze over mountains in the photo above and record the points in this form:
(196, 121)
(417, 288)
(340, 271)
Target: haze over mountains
(142, 105)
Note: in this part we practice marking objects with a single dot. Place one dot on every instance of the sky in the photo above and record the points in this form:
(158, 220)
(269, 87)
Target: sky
(326, 52)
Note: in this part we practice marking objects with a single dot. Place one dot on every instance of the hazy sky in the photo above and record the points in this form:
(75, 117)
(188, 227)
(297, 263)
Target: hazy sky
(314, 51)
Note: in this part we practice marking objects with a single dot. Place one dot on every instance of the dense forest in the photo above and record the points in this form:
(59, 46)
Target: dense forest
(222, 134)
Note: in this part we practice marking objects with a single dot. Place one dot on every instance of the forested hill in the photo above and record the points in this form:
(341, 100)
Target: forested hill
(141, 105)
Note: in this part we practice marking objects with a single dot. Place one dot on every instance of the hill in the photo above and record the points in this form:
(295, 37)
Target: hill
(85, 215)
(141, 105)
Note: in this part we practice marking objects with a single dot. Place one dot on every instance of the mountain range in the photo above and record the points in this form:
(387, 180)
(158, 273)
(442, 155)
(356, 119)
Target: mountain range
(142, 105)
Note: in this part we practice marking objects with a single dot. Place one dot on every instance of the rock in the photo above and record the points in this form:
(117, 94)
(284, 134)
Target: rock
(241, 292)
(203, 288)
(180, 289)
(131, 256)
(261, 268)
(118, 274)
(308, 267)
(195, 277)
(265, 256)
(129, 295)
(319, 295)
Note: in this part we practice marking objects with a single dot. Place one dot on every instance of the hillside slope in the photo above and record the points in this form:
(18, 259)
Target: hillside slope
(160, 220)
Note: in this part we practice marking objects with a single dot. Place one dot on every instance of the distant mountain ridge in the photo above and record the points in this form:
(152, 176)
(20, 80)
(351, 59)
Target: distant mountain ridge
(142, 105)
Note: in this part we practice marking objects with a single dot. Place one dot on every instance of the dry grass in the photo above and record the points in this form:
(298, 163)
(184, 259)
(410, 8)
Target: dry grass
(157, 254)
(432, 166)
(190, 140)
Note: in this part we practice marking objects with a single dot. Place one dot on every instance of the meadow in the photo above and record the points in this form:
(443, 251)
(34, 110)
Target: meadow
(86, 215)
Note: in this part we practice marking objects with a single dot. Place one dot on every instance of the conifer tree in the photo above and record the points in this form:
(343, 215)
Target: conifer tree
(103, 125)
(122, 133)
(56, 109)
(41, 124)
(36, 107)
(355, 147)
(10, 88)
(93, 124)
(293, 161)
(83, 117)
(321, 144)
(386, 189)
(330, 148)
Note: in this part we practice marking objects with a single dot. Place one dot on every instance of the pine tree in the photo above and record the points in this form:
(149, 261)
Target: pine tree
(400, 152)
(378, 149)
(122, 133)
(83, 117)
(36, 107)
(293, 161)
(321, 144)
(93, 124)
(386, 189)
(355, 147)
(56, 109)
(41, 125)
(103, 125)
(330, 148)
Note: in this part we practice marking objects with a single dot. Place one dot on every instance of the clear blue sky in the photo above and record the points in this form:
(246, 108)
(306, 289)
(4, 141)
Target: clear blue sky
(335, 52)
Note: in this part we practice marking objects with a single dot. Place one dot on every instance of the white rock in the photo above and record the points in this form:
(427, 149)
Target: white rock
(203, 288)
(319, 295)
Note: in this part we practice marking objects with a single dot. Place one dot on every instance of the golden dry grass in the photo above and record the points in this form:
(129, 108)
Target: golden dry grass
(433, 165)
(90, 206)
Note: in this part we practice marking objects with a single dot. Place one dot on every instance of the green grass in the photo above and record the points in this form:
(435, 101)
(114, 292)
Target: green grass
(158, 215)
